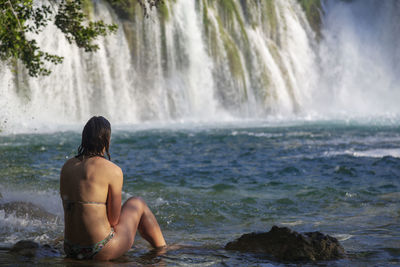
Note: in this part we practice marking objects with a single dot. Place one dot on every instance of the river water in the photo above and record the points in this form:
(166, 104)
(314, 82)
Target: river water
(208, 184)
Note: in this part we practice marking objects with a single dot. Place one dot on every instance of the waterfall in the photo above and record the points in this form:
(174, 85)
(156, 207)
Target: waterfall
(199, 60)
(360, 70)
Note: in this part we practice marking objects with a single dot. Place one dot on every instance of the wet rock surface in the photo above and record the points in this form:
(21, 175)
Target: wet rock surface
(285, 244)
(32, 249)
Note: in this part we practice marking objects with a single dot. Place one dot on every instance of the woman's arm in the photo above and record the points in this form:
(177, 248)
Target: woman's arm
(114, 196)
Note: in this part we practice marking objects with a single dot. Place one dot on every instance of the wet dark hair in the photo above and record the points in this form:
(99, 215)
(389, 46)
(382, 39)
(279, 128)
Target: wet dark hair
(95, 138)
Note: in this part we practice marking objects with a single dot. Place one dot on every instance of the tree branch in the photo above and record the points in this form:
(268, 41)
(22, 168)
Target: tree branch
(15, 15)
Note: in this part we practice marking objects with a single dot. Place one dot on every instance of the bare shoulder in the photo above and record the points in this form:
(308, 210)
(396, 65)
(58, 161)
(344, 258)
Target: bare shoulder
(68, 164)
(115, 168)
(115, 173)
(109, 167)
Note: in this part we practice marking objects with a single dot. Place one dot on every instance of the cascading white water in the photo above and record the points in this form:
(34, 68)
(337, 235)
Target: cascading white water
(291, 63)
(360, 55)
(213, 61)
(84, 84)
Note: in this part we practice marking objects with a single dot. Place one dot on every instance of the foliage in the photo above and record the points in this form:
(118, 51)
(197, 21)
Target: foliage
(70, 20)
(13, 29)
(22, 20)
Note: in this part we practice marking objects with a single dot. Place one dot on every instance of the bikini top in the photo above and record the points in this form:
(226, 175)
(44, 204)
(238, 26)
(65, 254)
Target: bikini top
(69, 203)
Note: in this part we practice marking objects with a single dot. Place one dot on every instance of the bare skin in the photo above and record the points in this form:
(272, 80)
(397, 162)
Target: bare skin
(96, 179)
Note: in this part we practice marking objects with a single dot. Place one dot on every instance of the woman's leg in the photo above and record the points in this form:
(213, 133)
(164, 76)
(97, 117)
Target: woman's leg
(135, 215)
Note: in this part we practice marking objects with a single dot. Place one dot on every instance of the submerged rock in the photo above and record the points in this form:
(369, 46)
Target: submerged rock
(25, 248)
(284, 244)
(27, 209)
(32, 249)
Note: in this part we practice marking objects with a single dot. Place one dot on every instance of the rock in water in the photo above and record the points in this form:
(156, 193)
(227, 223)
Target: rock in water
(27, 209)
(287, 245)
(32, 249)
(25, 248)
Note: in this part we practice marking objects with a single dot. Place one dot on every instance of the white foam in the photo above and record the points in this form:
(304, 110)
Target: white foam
(294, 223)
(350, 195)
(14, 228)
(266, 135)
(372, 153)
(378, 153)
(342, 237)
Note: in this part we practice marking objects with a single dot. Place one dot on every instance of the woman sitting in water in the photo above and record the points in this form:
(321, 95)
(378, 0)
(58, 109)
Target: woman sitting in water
(96, 227)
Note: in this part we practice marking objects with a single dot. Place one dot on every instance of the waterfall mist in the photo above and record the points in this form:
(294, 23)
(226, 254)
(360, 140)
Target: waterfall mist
(360, 70)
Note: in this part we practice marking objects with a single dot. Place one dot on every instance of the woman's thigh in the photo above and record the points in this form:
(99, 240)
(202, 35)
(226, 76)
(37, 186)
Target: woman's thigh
(125, 230)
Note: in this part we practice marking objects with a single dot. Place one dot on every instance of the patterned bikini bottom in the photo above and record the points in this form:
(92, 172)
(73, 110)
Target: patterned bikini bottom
(85, 252)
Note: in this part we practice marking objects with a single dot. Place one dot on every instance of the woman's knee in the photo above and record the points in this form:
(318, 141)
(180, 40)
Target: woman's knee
(136, 202)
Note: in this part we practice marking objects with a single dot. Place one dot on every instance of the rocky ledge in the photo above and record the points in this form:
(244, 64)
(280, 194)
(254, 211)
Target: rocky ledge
(285, 244)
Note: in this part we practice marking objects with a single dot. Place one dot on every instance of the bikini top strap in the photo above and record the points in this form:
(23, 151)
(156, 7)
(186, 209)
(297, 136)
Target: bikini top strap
(69, 203)
(91, 202)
